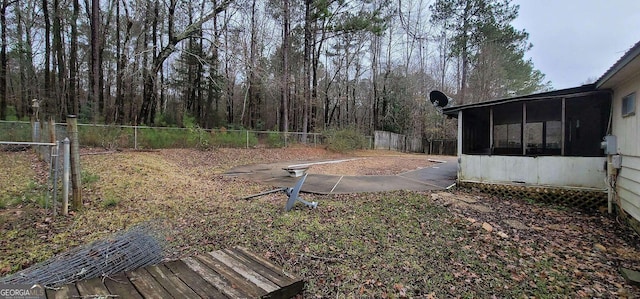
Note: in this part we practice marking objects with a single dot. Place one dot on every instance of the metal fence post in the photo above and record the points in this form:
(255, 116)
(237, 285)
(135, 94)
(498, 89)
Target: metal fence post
(247, 133)
(55, 177)
(35, 131)
(135, 137)
(35, 136)
(65, 177)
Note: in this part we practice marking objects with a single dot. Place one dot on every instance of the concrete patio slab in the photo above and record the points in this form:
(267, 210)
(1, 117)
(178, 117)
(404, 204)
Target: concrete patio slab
(436, 177)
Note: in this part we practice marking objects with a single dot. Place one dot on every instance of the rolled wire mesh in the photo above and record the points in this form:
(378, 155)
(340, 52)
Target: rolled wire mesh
(137, 247)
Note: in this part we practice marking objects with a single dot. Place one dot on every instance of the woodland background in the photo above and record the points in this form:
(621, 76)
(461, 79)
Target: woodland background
(287, 65)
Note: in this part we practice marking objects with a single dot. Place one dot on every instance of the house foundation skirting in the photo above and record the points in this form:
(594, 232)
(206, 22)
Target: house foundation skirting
(589, 200)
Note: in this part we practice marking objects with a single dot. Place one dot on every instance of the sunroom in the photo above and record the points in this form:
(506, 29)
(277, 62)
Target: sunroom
(550, 139)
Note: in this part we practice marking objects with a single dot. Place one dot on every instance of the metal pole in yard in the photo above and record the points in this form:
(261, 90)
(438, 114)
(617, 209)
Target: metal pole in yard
(72, 122)
(55, 177)
(135, 137)
(50, 178)
(65, 177)
(247, 133)
(33, 130)
(35, 135)
(52, 132)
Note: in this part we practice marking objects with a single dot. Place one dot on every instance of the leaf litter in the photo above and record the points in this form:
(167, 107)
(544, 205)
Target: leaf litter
(384, 245)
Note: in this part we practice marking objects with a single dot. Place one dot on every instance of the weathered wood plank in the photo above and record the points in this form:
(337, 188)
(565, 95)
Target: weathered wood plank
(247, 287)
(244, 271)
(230, 273)
(64, 292)
(92, 287)
(287, 292)
(290, 285)
(170, 282)
(147, 285)
(194, 280)
(277, 278)
(119, 284)
(287, 287)
(213, 278)
(266, 263)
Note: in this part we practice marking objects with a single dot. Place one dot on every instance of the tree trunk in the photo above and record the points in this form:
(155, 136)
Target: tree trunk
(375, 52)
(74, 106)
(21, 88)
(94, 74)
(465, 53)
(3, 60)
(46, 95)
(121, 66)
(306, 68)
(284, 104)
(58, 48)
(253, 89)
(230, 82)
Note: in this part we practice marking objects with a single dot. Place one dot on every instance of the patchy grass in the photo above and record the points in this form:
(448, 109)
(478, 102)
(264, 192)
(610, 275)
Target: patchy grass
(110, 202)
(392, 244)
(87, 177)
(16, 177)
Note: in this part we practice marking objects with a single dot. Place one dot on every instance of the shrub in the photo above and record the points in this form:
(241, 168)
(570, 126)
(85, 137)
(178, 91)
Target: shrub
(199, 138)
(275, 139)
(344, 140)
(108, 137)
(225, 138)
(15, 131)
(162, 138)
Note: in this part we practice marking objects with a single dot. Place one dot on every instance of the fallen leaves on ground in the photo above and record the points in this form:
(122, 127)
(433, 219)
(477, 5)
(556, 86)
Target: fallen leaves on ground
(379, 165)
(384, 245)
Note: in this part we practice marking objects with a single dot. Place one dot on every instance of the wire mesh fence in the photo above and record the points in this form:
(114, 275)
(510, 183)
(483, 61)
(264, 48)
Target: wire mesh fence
(140, 246)
(46, 141)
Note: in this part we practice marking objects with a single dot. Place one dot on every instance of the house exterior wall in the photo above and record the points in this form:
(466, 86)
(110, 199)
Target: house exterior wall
(628, 136)
(556, 171)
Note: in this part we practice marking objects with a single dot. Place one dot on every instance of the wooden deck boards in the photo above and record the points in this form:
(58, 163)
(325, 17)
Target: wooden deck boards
(229, 273)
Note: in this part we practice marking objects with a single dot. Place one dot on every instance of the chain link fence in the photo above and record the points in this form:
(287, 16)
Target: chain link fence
(113, 137)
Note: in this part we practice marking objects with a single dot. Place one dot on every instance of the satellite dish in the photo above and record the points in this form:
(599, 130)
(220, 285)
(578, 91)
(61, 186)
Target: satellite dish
(293, 196)
(438, 98)
(292, 193)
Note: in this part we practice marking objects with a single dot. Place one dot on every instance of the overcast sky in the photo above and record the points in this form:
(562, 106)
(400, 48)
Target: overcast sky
(577, 40)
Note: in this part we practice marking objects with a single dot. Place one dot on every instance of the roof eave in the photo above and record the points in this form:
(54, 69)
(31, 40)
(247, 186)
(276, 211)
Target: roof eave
(562, 93)
(619, 65)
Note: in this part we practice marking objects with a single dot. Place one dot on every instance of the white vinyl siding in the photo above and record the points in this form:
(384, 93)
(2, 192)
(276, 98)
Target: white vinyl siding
(628, 137)
(628, 185)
